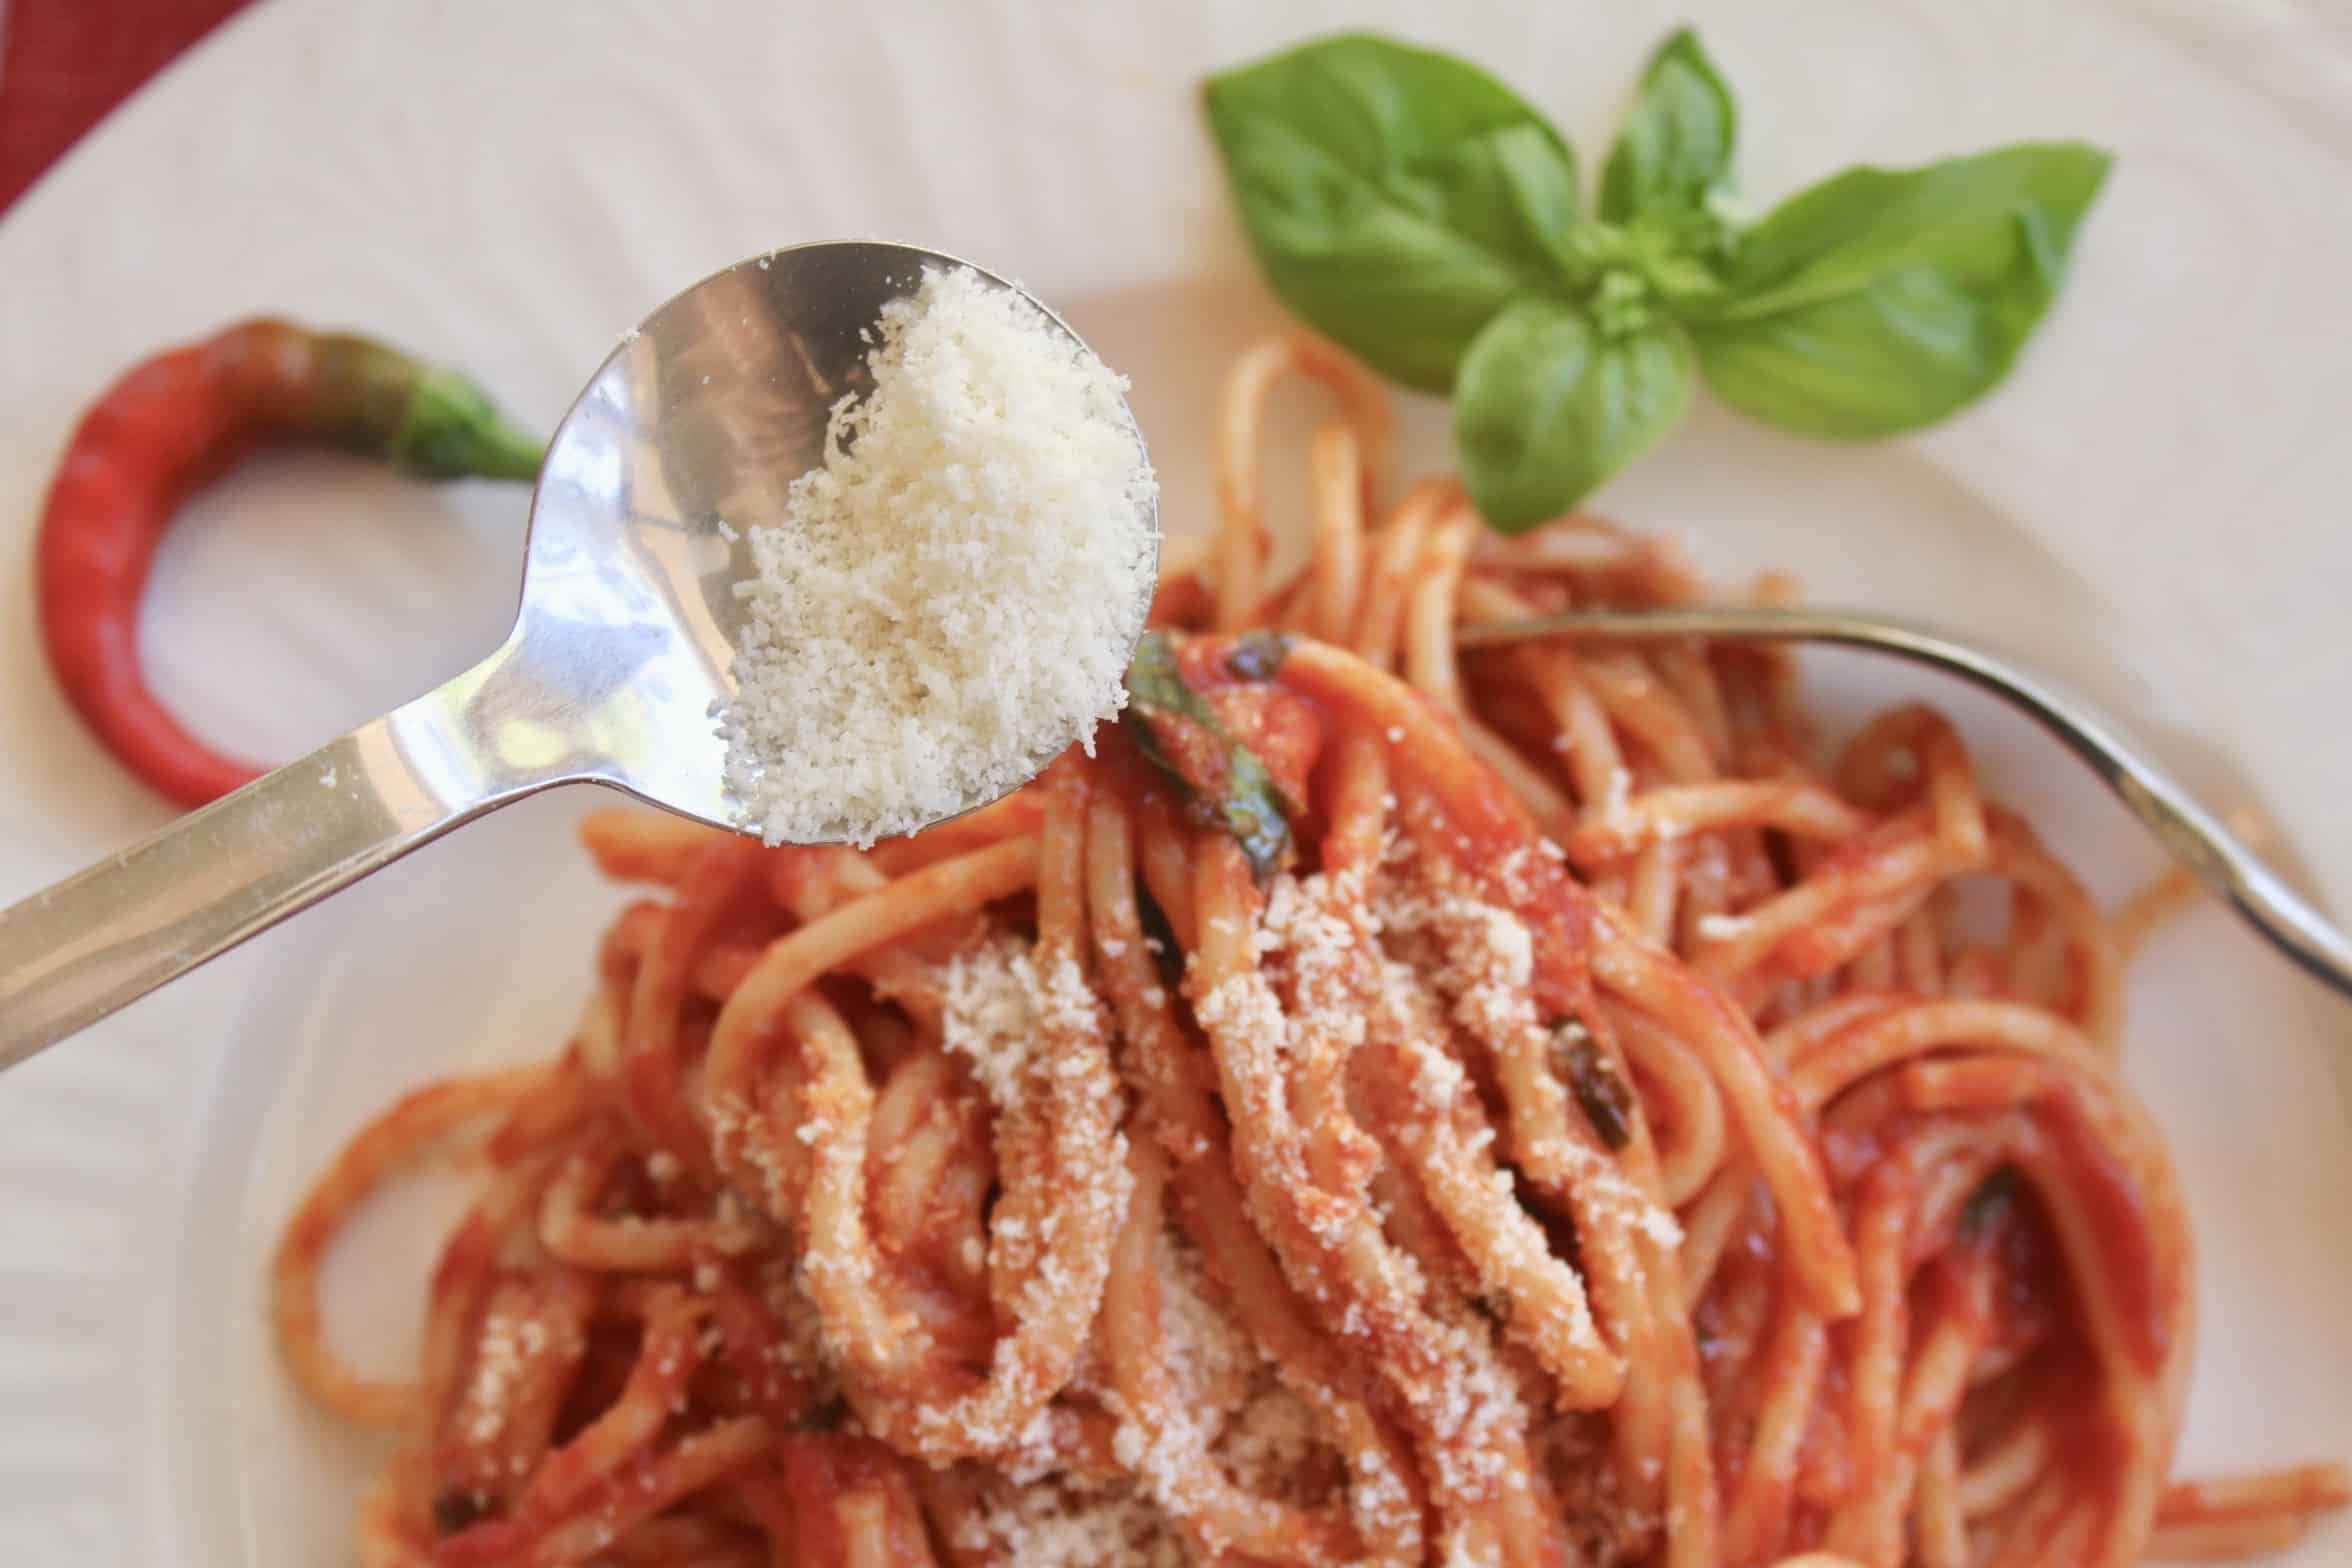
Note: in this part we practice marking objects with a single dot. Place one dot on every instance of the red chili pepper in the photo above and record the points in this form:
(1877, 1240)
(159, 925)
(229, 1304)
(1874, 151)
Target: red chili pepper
(172, 425)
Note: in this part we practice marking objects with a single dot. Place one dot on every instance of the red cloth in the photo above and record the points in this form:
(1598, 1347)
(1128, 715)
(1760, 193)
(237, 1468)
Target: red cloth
(65, 63)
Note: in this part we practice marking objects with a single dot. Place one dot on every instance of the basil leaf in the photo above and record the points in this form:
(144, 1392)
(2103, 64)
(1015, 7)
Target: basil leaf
(1253, 810)
(1550, 405)
(1605, 1100)
(1153, 683)
(1675, 147)
(1991, 1203)
(1396, 197)
(1258, 655)
(1881, 300)
(1159, 936)
(1246, 802)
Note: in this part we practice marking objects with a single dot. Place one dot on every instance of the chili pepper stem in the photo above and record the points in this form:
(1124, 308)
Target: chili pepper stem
(451, 430)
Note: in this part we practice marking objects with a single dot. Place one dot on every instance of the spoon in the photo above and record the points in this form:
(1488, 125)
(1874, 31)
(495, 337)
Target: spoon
(2189, 833)
(624, 642)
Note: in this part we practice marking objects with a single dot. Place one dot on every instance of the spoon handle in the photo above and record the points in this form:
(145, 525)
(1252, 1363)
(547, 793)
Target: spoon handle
(73, 953)
(2193, 836)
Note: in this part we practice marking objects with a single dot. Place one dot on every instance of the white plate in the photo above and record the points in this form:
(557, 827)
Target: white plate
(2153, 505)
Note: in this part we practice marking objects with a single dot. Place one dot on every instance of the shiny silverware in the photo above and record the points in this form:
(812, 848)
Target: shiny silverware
(708, 411)
(2192, 835)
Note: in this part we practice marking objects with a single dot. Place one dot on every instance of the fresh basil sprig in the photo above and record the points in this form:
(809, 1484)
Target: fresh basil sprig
(1417, 211)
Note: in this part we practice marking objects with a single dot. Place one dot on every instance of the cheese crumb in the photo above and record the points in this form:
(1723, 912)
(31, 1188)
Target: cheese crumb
(1061, 1524)
(498, 1364)
(949, 601)
(1000, 1001)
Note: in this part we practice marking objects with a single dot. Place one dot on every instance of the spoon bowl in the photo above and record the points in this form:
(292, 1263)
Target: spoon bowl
(688, 437)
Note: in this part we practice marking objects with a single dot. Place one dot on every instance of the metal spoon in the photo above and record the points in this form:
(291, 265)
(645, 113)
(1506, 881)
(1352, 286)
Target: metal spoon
(2189, 833)
(627, 631)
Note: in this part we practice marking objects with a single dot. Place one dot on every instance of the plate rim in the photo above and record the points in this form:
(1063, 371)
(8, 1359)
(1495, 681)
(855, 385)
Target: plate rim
(145, 1339)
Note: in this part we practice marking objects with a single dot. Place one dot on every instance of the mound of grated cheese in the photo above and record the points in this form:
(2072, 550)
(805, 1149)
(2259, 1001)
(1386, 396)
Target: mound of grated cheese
(950, 600)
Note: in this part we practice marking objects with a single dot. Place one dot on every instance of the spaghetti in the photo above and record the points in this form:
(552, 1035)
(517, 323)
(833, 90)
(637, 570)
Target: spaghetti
(1584, 1127)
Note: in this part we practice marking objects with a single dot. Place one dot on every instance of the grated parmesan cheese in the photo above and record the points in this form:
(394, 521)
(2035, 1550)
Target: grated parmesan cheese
(949, 601)
(1208, 1355)
(1061, 1524)
(506, 1344)
(1000, 1001)
(1271, 1438)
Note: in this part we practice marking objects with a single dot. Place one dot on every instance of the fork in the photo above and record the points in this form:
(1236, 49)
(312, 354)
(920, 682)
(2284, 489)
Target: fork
(2190, 834)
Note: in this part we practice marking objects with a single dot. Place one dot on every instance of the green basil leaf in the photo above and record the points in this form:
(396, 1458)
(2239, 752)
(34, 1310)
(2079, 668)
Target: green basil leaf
(1881, 300)
(1153, 682)
(1605, 1100)
(1991, 1203)
(1396, 197)
(1549, 405)
(1159, 936)
(1676, 145)
(1258, 655)
(1246, 802)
